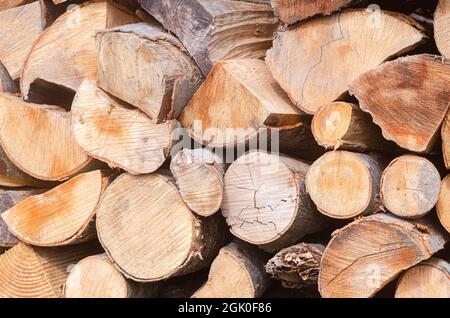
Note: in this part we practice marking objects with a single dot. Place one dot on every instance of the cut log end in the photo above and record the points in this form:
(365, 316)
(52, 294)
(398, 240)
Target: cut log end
(344, 184)
(443, 206)
(410, 186)
(442, 27)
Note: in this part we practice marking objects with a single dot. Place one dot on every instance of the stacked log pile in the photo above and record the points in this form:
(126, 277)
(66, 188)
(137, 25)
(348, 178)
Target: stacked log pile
(224, 148)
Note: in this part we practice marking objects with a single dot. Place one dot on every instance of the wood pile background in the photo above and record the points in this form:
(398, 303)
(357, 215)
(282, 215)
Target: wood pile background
(224, 148)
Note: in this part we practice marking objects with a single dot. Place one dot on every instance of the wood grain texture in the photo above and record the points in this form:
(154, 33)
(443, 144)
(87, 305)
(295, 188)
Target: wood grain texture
(429, 279)
(265, 201)
(443, 205)
(315, 61)
(19, 28)
(341, 125)
(107, 129)
(8, 199)
(297, 266)
(150, 233)
(217, 30)
(96, 277)
(63, 215)
(419, 87)
(33, 272)
(237, 272)
(445, 134)
(52, 153)
(65, 54)
(238, 98)
(199, 176)
(164, 76)
(370, 252)
(410, 186)
(442, 27)
(344, 185)
(292, 11)
(8, 4)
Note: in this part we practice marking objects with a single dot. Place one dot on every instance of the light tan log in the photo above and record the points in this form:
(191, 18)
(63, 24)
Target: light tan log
(238, 98)
(63, 215)
(31, 272)
(410, 186)
(315, 61)
(7, 85)
(8, 4)
(265, 201)
(297, 266)
(443, 205)
(165, 77)
(370, 252)
(344, 185)
(341, 125)
(65, 53)
(442, 27)
(19, 28)
(445, 133)
(8, 199)
(199, 177)
(418, 86)
(150, 233)
(52, 153)
(429, 279)
(107, 129)
(292, 11)
(96, 277)
(237, 272)
(217, 30)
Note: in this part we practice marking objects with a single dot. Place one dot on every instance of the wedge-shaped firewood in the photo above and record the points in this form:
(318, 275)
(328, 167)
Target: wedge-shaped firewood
(410, 186)
(442, 27)
(446, 140)
(217, 30)
(65, 53)
(344, 185)
(52, 153)
(340, 125)
(165, 77)
(265, 201)
(443, 205)
(237, 272)
(410, 100)
(297, 266)
(291, 11)
(7, 85)
(238, 98)
(19, 28)
(150, 233)
(429, 279)
(31, 272)
(109, 130)
(96, 277)
(8, 199)
(199, 177)
(367, 254)
(63, 215)
(315, 61)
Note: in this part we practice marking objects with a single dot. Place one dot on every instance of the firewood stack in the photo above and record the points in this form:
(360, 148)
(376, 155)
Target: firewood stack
(291, 144)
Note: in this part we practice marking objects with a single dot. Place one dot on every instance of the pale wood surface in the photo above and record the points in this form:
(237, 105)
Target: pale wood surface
(367, 254)
(150, 233)
(344, 185)
(52, 153)
(429, 279)
(418, 87)
(165, 77)
(239, 95)
(443, 205)
(445, 134)
(410, 186)
(60, 216)
(65, 53)
(317, 60)
(442, 27)
(8, 4)
(110, 131)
